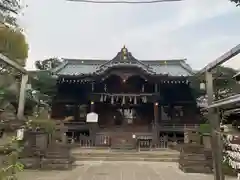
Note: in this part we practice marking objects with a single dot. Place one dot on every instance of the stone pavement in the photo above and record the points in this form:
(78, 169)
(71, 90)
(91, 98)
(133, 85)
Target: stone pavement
(117, 171)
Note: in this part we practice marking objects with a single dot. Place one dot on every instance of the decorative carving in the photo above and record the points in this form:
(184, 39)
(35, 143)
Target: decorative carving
(124, 53)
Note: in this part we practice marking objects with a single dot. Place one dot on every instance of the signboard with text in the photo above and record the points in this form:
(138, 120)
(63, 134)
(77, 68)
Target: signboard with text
(92, 117)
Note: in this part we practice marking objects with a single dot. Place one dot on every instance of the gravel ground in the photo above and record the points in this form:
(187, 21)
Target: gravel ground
(102, 170)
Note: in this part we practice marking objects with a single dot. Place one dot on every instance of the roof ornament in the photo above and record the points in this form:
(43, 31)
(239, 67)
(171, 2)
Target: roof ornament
(124, 52)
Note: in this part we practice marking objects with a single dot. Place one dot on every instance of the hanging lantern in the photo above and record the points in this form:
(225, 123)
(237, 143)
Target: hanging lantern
(105, 98)
(101, 98)
(112, 100)
(117, 99)
(135, 100)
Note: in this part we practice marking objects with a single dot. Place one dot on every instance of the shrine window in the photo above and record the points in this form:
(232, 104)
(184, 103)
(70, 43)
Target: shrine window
(178, 111)
(69, 110)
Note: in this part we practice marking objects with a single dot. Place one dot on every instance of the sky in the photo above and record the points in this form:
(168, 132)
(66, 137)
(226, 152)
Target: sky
(198, 30)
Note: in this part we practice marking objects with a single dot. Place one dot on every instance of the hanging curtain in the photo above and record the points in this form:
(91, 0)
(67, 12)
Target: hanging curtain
(135, 100)
(112, 100)
(145, 99)
(130, 99)
(123, 100)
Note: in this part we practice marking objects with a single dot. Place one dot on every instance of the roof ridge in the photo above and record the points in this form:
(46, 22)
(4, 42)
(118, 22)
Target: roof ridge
(187, 67)
(92, 59)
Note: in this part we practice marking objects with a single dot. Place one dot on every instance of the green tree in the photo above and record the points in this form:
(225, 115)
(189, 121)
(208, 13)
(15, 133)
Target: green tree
(44, 83)
(236, 1)
(13, 44)
(47, 64)
(8, 10)
(224, 83)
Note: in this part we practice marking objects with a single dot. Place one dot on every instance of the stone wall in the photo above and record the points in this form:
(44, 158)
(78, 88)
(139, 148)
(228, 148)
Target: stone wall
(194, 158)
(41, 153)
(206, 141)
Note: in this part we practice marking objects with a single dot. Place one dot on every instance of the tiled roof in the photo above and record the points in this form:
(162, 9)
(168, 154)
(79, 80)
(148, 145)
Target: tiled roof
(76, 67)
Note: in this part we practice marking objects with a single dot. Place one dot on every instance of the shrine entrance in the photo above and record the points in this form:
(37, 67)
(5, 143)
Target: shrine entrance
(163, 142)
(144, 143)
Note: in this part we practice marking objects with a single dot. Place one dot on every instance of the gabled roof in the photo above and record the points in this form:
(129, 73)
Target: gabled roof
(78, 67)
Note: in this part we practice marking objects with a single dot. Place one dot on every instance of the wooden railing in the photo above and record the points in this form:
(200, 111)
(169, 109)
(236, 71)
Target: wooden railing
(169, 126)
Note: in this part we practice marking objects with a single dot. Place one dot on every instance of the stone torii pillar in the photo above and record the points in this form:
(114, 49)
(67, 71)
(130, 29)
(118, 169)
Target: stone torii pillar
(21, 102)
(10, 63)
(214, 120)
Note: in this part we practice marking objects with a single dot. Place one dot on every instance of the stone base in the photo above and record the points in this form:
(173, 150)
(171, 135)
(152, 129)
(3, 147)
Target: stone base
(195, 169)
(195, 159)
(56, 164)
(31, 163)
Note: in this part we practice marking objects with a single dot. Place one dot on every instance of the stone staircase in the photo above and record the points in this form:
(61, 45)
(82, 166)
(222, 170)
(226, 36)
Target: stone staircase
(122, 141)
(112, 155)
(57, 157)
(195, 159)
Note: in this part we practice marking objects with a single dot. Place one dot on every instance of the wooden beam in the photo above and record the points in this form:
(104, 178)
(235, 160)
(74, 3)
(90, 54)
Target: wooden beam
(214, 121)
(226, 101)
(12, 64)
(22, 97)
(222, 59)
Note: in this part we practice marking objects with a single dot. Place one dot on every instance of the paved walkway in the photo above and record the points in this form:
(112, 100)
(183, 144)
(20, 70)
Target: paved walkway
(117, 171)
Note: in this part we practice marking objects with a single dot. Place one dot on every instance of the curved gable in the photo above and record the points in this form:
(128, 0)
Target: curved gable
(79, 67)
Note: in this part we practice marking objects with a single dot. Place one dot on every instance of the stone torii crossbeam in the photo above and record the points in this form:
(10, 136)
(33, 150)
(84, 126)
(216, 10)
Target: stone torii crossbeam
(21, 102)
(213, 106)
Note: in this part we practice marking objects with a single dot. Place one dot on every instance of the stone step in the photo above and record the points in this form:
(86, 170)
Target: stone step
(145, 154)
(193, 158)
(195, 169)
(161, 156)
(159, 159)
(123, 146)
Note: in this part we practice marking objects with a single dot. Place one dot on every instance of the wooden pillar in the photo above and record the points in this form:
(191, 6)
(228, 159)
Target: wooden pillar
(76, 112)
(214, 120)
(92, 106)
(155, 123)
(21, 101)
(156, 88)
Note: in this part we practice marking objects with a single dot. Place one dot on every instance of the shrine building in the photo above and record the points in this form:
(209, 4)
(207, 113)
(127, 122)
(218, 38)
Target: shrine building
(136, 103)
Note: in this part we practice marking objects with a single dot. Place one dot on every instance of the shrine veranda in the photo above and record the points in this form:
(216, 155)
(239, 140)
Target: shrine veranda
(140, 103)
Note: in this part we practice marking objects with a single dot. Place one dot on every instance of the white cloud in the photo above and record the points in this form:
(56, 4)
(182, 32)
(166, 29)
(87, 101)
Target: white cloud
(68, 29)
